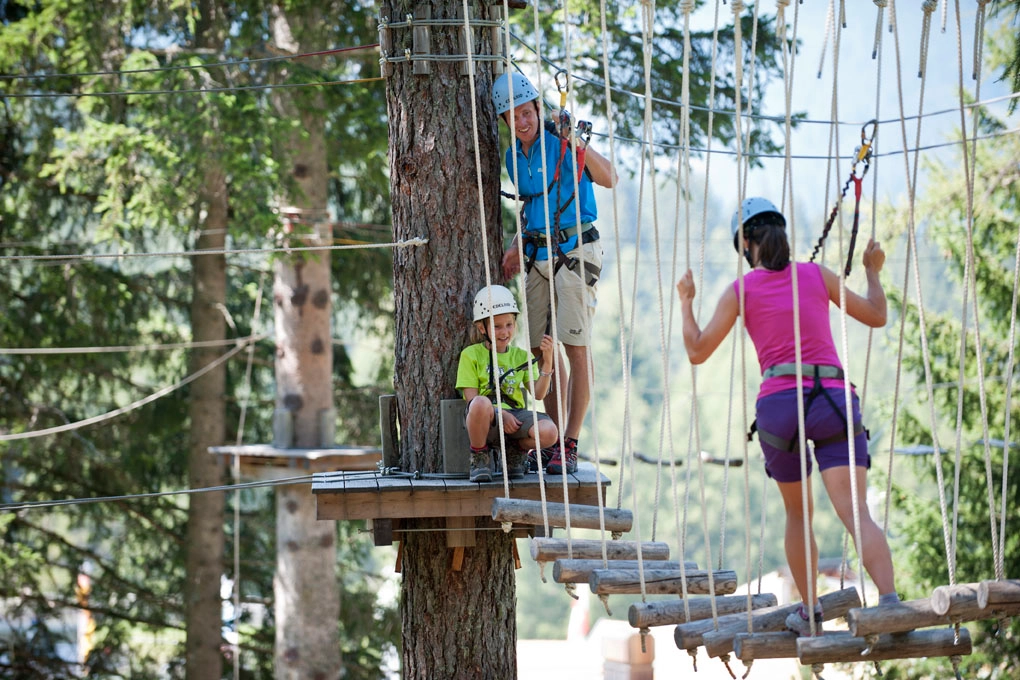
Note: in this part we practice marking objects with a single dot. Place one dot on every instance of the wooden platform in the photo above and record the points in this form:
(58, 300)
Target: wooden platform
(256, 459)
(361, 496)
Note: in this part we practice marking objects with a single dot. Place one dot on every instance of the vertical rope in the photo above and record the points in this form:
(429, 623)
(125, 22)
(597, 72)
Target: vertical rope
(970, 168)
(911, 177)
(235, 467)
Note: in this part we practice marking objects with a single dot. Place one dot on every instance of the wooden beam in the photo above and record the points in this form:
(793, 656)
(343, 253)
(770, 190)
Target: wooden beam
(581, 516)
(549, 549)
(845, 648)
(953, 600)
(460, 532)
(579, 571)
(661, 582)
(648, 614)
(998, 592)
(750, 646)
(894, 618)
(770, 619)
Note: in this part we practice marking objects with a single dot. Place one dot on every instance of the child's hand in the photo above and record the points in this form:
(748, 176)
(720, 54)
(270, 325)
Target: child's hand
(685, 287)
(547, 347)
(510, 423)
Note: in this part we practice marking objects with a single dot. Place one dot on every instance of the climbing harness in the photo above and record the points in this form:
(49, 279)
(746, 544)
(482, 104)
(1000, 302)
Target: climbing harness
(818, 372)
(862, 161)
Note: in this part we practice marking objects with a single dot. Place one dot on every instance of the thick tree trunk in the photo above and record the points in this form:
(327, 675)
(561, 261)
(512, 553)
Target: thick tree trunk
(305, 587)
(205, 510)
(456, 624)
(205, 536)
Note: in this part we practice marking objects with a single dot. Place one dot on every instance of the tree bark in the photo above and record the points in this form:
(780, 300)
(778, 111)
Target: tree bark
(456, 624)
(207, 410)
(205, 536)
(305, 586)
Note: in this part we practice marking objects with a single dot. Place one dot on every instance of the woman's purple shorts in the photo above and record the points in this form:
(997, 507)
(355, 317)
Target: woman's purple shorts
(777, 414)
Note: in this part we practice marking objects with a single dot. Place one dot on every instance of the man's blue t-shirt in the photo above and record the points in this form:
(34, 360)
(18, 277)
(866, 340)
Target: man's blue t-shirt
(533, 177)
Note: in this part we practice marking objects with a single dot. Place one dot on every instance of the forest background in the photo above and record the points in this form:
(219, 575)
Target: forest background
(114, 174)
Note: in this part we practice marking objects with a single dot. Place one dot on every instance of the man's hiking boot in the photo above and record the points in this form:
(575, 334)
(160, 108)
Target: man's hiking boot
(481, 466)
(562, 459)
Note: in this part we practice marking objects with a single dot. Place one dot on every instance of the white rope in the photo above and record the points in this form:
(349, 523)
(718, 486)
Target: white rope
(235, 467)
(911, 179)
(468, 35)
(67, 427)
(404, 243)
(970, 273)
(113, 349)
(999, 565)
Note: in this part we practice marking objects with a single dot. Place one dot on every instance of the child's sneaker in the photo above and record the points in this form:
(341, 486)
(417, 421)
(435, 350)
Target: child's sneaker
(563, 459)
(481, 466)
(799, 623)
(516, 461)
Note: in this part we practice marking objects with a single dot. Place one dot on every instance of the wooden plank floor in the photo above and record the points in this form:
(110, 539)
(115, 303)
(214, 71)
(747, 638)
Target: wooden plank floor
(373, 496)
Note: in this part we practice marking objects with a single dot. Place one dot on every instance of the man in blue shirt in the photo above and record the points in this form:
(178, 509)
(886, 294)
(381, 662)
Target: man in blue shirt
(544, 170)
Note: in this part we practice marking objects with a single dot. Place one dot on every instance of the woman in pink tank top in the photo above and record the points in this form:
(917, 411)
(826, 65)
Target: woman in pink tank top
(768, 307)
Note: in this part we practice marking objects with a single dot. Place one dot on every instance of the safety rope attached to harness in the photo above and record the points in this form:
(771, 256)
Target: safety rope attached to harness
(862, 160)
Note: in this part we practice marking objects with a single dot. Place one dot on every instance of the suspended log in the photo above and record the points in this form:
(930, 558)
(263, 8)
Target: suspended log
(549, 549)
(648, 614)
(581, 516)
(954, 600)
(844, 647)
(750, 646)
(660, 582)
(894, 618)
(770, 619)
(579, 571)
(998, 592)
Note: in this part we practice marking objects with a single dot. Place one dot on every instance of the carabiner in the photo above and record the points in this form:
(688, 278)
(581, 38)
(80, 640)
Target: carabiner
(562, 87)
(862, 154)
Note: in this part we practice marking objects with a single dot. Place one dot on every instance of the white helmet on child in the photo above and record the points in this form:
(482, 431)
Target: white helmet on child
(493, 300)
(753, 207)
(524, 91)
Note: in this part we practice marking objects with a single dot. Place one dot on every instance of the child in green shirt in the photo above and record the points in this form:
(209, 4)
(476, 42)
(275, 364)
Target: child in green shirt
(495, 319)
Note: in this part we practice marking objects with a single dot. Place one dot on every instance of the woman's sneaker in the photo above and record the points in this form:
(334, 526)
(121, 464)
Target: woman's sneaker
(799, 623)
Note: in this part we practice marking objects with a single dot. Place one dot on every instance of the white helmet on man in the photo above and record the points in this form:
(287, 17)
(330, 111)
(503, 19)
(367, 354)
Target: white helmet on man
(524, 91)
(753, 207)
(493, 300)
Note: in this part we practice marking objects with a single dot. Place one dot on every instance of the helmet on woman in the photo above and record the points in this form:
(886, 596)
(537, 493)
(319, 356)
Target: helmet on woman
(493, 300)
(749, 209)
(524, 91)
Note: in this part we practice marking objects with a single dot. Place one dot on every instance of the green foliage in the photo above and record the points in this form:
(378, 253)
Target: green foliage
(962, 409)
(83, 169)
(711, 60)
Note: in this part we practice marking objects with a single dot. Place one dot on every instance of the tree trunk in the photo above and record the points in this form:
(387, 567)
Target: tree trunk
(207, 410)
(205, 536)
(456, 624)
(305, 587)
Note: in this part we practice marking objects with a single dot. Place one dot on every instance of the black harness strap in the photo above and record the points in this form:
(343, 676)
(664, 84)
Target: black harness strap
(818, 372)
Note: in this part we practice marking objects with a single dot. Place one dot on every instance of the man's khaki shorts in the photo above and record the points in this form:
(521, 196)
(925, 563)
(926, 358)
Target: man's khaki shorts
(575, 300)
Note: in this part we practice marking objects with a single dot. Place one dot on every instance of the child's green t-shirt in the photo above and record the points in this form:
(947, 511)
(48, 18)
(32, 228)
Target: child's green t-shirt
(474, 369)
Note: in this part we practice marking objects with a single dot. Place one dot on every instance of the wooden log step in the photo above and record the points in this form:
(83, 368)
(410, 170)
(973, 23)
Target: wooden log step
(894, 618)
(998, 592)
(844, 647)
(549, 549)
(660, 582)
(750, 646)
(770, 619)
(954, 600)
(648, 614)
(581, 516)
(579, 571)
